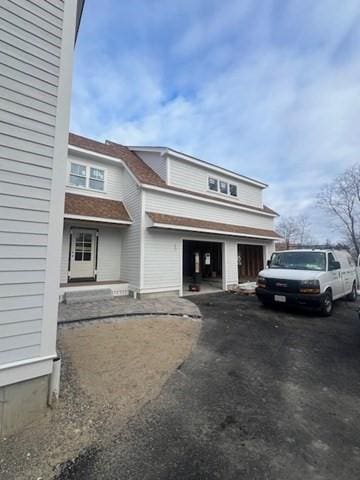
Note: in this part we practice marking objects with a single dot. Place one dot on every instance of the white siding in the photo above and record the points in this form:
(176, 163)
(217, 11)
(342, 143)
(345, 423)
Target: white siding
(36, 51)
(109, 254)
(155, 161)
(183, 207)
(186, 175)
(113, 178)
(162, 260)
(131, 240)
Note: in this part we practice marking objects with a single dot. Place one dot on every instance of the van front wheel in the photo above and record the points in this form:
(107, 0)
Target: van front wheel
(327, 304)
(353, 294)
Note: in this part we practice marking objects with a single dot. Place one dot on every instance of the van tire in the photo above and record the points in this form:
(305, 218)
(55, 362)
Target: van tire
(327, 304)
(352, 296)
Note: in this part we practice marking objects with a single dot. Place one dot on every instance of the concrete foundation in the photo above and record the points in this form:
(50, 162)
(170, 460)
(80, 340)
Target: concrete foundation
(22, 403)
(170, 293)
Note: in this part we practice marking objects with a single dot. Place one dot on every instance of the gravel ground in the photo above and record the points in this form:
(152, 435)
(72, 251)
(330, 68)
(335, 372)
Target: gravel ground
(111, 369)
(267, 394)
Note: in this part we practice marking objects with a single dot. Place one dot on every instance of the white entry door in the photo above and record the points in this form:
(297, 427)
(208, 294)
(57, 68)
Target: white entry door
(82, 253)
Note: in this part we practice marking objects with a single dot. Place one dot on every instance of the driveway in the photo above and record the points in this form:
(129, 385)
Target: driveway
(270, 395)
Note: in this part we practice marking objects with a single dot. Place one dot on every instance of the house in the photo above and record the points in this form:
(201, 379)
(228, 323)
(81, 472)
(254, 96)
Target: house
(152, 220)
(36, 51)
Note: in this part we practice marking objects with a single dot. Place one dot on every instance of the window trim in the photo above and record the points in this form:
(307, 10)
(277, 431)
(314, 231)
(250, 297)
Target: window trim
(87, 177)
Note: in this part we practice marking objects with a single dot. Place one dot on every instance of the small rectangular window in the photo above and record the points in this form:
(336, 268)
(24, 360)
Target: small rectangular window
(213, 184)
(96, 180)
(233, 190)
(223, 187)
(78, 175)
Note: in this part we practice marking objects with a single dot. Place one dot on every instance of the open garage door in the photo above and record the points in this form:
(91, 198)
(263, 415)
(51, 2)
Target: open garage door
(250, 262)
(202, 266)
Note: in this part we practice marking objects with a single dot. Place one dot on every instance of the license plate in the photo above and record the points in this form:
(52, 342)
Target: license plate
(280, 298)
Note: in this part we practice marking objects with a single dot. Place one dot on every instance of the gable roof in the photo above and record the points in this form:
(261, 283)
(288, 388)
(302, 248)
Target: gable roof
(143, 173)
(136, 165)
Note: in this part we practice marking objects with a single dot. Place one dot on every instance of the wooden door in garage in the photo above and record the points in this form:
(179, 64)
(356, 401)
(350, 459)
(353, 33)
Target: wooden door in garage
(250, 262)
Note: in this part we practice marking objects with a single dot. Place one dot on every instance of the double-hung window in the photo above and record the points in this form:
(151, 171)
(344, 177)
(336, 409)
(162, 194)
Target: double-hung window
(78, 175)
(96, 179)
(84, 176)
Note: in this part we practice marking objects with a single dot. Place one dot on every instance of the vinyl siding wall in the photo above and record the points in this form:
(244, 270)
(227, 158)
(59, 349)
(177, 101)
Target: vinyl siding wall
(184, 207)
(29, 71)
(131, 240)
(113, 178)
(186, 175)
(37, 40)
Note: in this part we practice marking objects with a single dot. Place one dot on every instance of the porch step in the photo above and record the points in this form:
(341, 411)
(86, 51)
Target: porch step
(84, 296)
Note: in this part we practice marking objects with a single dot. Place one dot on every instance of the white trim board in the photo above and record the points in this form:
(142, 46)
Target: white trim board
(69, 216)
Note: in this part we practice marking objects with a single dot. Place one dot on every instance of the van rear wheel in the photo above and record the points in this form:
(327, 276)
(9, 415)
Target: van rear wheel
(327, 304)
(353, 294)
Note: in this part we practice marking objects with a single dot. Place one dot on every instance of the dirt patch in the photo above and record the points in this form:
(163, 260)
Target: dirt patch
(110, 370)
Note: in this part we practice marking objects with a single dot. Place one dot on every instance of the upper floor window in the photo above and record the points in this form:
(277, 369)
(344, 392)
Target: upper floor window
(233, 190)
(213, 184)
(223, 187)
(84, 176)
(220, 186)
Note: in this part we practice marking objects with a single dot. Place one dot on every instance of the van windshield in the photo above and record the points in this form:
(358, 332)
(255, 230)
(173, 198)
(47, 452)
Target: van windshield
(299, 260)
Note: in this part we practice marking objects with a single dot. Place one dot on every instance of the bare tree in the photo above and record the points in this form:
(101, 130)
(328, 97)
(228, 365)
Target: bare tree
(341, 199)
(295, 230)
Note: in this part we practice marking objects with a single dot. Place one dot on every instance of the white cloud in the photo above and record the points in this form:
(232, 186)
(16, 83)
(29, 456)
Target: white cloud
(277, 110)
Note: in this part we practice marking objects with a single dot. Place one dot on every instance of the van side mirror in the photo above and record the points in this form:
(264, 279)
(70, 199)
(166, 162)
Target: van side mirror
(268, 263)
(335, 266)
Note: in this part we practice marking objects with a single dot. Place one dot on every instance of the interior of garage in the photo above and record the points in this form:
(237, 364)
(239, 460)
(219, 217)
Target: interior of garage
(202, 267)
(250, 262)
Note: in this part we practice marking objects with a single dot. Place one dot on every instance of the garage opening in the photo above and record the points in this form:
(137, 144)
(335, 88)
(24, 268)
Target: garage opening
(250, 262)
(202, 267)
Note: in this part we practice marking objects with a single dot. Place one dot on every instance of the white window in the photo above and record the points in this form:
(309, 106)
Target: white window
(96, 180)
(78, 175)
(87, 177)
(223, 187)
(220, 186)
(233, 190)
(213, 184)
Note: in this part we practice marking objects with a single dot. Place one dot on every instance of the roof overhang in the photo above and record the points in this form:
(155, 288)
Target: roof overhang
(79, 12)
(171, 222)
(95, 209)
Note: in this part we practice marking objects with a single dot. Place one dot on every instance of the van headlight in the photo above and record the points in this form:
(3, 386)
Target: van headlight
(309, 286)
(261, 281)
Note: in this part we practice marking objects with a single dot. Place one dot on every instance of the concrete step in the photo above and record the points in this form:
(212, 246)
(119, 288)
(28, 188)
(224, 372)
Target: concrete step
(85, 296)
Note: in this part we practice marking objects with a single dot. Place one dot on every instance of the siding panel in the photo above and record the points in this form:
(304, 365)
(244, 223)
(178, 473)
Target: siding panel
(20, 328)
(31, 34)
(130, 251)
(18, 354)
(192, 177)
(172, 205)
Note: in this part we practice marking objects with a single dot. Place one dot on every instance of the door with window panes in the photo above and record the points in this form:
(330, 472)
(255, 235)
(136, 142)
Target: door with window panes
(82, 265)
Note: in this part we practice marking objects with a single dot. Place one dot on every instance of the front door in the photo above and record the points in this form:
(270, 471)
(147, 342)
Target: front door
(82, 264)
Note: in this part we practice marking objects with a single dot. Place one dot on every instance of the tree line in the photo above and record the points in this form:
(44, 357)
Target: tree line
(340, 200)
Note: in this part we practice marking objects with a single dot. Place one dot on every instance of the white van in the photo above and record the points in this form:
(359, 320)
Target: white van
(310, 277)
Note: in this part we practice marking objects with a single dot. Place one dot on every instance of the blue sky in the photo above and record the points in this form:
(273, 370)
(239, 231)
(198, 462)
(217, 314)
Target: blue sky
(268, 88)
